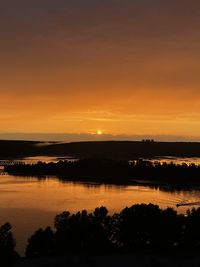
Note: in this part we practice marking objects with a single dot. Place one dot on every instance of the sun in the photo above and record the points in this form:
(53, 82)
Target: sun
(99, 132)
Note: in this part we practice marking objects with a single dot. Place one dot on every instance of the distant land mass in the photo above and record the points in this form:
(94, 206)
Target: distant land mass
(125, 150)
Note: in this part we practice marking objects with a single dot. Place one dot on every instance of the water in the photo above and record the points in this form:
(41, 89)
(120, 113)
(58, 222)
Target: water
(177, 160)
(47, 159)
(30, 203)
(33, 160)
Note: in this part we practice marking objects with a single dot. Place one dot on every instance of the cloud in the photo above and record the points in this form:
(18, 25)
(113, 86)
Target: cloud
(139, 60)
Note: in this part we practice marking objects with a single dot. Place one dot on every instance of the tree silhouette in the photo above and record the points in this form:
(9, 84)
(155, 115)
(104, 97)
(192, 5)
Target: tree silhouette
(41, 243)
(7, 246)
(140, 227)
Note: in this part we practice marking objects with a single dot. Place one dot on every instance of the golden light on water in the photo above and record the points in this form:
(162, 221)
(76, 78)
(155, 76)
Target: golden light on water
(55, 196)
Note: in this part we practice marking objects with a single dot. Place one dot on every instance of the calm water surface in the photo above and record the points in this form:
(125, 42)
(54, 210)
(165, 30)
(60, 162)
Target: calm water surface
(175, 160)
(30, 203)
(35, 159)
(47, 159)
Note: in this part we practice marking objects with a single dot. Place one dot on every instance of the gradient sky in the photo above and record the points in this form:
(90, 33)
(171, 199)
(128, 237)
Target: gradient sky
(123, 66)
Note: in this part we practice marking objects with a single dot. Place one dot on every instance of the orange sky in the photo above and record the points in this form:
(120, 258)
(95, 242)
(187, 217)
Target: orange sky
(124, 67)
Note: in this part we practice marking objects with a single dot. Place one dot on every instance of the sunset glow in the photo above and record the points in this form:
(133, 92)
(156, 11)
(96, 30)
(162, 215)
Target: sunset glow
(99, 132)
(73, 66)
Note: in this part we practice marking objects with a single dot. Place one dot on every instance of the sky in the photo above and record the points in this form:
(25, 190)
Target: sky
(122, 67)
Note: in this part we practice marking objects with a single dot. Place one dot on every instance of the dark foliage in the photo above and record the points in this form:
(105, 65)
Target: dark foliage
(80, 232)
(113, 171)
(147, 226)
(41, 243)
(7, 246)
(138, 228)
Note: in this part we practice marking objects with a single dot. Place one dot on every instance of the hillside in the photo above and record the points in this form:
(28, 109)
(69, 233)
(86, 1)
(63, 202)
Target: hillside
(104, 149)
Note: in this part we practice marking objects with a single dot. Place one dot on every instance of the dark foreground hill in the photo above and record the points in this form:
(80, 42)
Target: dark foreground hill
(101, 149)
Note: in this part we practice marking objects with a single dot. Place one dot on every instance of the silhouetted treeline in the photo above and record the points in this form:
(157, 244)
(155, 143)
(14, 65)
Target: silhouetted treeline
(138, 228)
(103, 149)
(8, 256)
(145, 228)
(113, 171)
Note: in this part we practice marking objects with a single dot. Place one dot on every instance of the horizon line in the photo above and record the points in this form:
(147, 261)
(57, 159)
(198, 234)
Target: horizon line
(83, 137)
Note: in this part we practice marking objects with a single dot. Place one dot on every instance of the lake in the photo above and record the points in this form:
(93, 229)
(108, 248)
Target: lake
(30, 203)
(177, 160)
(48, 159)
